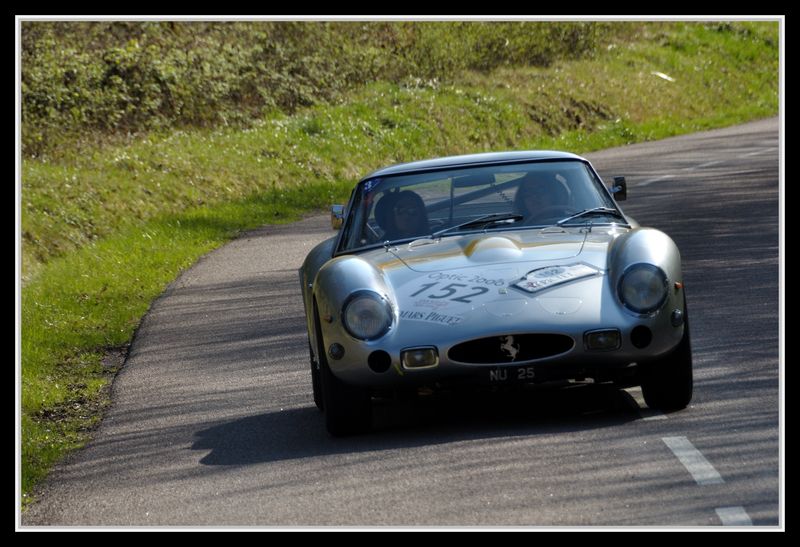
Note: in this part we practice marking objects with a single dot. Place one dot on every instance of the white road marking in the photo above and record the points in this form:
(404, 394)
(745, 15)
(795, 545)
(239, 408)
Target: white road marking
(695, 463)
(734, 516)
(645, 412)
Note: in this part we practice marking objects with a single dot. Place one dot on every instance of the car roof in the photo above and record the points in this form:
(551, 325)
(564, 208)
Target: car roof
(473, 159)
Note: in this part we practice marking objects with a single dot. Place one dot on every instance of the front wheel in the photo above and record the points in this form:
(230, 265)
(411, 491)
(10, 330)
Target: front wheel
(347, 408)
(668, 383)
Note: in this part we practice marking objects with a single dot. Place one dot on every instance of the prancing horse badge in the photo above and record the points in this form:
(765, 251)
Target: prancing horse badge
(508, 346)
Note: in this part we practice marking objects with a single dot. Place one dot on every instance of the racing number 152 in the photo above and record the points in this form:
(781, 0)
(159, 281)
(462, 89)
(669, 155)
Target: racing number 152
(449, 290)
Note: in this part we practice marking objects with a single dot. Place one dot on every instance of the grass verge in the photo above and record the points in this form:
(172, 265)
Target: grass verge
(85, 307)
(106, 228)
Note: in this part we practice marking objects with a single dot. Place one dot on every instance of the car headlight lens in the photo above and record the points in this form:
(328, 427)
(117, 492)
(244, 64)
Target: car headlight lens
(643, 288)
(367, 315)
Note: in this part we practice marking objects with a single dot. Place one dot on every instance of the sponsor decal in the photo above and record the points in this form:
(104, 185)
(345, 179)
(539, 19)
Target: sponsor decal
(444, 298)
(430, 317)
(550, 276)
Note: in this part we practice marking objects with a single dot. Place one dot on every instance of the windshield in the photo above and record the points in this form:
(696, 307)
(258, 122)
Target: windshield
(497, 197)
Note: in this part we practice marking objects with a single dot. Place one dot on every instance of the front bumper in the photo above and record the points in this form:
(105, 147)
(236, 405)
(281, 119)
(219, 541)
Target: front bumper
(515, 339)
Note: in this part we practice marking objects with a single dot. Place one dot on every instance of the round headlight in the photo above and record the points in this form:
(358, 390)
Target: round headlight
(643, 288)
(367, 315)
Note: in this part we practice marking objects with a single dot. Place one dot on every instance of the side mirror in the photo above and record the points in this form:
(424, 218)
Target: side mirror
(620, 189)
(337, 216)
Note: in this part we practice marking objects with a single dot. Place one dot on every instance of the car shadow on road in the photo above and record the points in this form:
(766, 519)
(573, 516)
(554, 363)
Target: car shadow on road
(423, 420)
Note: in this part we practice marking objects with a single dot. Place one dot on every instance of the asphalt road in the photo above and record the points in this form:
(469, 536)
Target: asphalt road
(213, 423)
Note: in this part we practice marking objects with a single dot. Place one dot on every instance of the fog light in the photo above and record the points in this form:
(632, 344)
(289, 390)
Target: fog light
(603, 340)
(419, 357)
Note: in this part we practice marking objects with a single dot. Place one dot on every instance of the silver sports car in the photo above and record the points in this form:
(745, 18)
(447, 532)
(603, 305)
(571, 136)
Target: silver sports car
(503, 268)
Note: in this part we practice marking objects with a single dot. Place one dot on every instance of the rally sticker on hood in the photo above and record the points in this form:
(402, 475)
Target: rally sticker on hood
(550, 276)
(444, 297)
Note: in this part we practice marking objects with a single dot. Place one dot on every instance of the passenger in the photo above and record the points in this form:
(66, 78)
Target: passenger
(541, 197)
(402, 215)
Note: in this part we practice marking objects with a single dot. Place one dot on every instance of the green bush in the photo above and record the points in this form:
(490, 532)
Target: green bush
(129, 77)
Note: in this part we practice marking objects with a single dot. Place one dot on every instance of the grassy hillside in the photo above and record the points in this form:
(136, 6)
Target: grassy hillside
(131, 77)
(117, 199)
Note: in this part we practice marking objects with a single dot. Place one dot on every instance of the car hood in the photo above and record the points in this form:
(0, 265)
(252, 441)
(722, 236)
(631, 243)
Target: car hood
(488, 249)
(445, 281)
(507, 255)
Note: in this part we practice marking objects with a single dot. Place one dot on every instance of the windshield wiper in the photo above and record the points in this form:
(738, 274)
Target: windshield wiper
(593, 211)
(481, 221)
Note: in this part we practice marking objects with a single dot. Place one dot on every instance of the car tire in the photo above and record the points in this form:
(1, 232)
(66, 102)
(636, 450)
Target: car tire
(347, 408)
(315, 382)
(668, 383)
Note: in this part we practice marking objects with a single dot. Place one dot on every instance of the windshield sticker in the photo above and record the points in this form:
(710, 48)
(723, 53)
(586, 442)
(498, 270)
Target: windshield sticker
(544, 278)
(370, 185)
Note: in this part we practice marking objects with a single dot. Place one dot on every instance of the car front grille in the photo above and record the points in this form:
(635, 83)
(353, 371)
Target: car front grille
(512, 348)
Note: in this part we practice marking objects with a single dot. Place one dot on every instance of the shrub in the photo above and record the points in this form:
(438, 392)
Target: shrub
(128, 77)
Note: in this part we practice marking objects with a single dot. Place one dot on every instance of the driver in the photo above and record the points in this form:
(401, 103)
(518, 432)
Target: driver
(540, 196)
(402, 215)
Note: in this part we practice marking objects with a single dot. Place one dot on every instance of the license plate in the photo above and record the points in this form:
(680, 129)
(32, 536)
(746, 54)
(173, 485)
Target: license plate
(512, 374)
